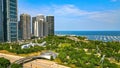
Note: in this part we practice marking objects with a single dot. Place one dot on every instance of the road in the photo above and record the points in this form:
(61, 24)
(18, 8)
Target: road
(38, 63)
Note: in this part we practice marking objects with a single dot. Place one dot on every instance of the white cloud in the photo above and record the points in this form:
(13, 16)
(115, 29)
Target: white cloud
(110, 16)
(107, 16)
(69, 10)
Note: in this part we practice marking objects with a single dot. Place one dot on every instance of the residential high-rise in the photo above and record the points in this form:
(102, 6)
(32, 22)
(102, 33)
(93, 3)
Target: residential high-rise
(10, 22)
(33, 23)
(50, 20)
(37, 25)
(19, 30)
(1, 22)
(45, 28)
(25, 26)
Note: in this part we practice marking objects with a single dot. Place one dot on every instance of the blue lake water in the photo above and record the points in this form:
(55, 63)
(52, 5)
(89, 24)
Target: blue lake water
(94, 35)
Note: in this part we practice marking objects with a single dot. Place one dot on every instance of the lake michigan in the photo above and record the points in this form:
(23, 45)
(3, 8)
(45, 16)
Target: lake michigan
(94, 35)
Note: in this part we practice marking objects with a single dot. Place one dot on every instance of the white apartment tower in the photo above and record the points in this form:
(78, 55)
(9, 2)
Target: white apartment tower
(38, 25)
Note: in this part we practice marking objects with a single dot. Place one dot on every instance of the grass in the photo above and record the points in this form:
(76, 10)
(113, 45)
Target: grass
(23, 55)
(64, 45)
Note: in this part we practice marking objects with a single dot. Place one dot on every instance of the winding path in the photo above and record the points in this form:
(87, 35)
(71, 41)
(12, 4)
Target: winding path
(32, 62)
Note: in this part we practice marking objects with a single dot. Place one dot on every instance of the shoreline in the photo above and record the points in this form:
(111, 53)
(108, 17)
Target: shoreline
(105, 38)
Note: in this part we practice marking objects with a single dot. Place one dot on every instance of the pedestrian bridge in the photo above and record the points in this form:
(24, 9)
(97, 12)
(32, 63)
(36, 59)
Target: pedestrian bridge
(27, 59)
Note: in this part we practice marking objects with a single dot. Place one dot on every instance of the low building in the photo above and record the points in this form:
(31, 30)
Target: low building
(48, 55)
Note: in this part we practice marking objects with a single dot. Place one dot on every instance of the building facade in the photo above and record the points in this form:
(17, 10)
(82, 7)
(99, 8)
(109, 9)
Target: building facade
(38, 25)
(10, 21)
(25, 26)
(1, 22)
(45, 28)
(50, 20)
(19, 31)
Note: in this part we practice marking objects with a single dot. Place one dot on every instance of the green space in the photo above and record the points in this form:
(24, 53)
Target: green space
(76, 54)
(5, 63)
(16, 66)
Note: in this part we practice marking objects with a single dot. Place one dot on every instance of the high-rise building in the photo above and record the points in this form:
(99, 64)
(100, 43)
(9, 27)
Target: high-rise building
(25, 26)
(45, 28)
(1, 22)
(10, 20)
(19, 30)
(33, 23)
(37, 25)
(50, 20)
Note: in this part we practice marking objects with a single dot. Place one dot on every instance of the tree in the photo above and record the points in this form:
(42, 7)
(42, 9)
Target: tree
(16, 66)
(51, 58)
(117, 57)
(4, 63)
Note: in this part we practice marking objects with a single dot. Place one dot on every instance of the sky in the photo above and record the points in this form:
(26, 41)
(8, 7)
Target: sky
(76, 15)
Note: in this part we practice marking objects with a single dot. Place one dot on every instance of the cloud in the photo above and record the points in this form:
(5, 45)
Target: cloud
(74, 16)
(58, 10)
(110, 16)
(69, 9)
(107, 16)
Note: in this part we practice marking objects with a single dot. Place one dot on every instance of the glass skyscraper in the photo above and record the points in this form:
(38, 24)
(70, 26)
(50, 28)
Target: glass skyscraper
(50, 20)
(1, 22)
(10, 20)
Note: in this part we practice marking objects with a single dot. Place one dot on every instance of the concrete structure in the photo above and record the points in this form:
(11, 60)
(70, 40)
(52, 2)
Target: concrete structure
(19, 31)
(37, 25)
(48, 55)
(32, 62)
(10, 20)
(25, 26)
(45, 29)
(42, 27)
(33, 23)
(1, 22)
(50, 20)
